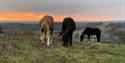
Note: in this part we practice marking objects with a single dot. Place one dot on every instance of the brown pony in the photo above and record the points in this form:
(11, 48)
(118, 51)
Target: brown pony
(46, 25)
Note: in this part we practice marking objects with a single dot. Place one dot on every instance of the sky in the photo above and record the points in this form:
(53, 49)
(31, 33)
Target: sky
(79, 10)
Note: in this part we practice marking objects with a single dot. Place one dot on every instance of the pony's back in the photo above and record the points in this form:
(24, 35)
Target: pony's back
(47, 21)
(68, 23)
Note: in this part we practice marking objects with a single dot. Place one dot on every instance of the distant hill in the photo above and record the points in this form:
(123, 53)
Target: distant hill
(112, 32)
(31, 26)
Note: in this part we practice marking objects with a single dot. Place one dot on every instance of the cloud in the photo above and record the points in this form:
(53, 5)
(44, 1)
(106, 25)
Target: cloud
(106, 8)
(36, 17)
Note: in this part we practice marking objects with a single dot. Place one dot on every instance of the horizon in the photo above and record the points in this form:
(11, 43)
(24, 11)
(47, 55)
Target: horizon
(85, 10)
(18, 21)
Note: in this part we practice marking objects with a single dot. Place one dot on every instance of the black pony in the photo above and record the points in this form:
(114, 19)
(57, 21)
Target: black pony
(91, 31)
(68, 26)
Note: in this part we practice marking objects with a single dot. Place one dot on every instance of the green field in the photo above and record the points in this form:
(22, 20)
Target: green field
(25, 47)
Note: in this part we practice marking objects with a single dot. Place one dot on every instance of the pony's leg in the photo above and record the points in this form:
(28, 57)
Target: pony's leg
(89, 38)
(82, 37)
(98, 38)
(42, 36)
(51, 37)
(48, 39)
(70, 38)
(65, 41)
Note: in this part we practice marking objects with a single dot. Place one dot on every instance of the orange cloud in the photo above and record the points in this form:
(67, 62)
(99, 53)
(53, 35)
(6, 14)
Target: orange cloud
(35, 16)
(19, 16)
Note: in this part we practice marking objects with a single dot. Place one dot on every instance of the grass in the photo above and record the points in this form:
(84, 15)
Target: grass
(25, 47)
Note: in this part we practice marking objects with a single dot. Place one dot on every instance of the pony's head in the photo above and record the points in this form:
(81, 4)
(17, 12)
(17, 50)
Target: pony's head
(63, 34)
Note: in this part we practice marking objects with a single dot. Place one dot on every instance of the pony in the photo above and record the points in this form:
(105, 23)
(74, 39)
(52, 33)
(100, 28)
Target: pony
(68, 26)
(91, 31)
(46, 25)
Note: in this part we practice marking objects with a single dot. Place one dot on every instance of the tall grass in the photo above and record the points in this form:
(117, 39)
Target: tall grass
(25, 47)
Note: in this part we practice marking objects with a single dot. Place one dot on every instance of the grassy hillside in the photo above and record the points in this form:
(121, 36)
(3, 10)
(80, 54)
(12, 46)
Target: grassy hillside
(25, 47)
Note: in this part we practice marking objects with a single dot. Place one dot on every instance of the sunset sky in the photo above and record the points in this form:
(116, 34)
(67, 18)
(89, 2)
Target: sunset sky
(80, 10)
